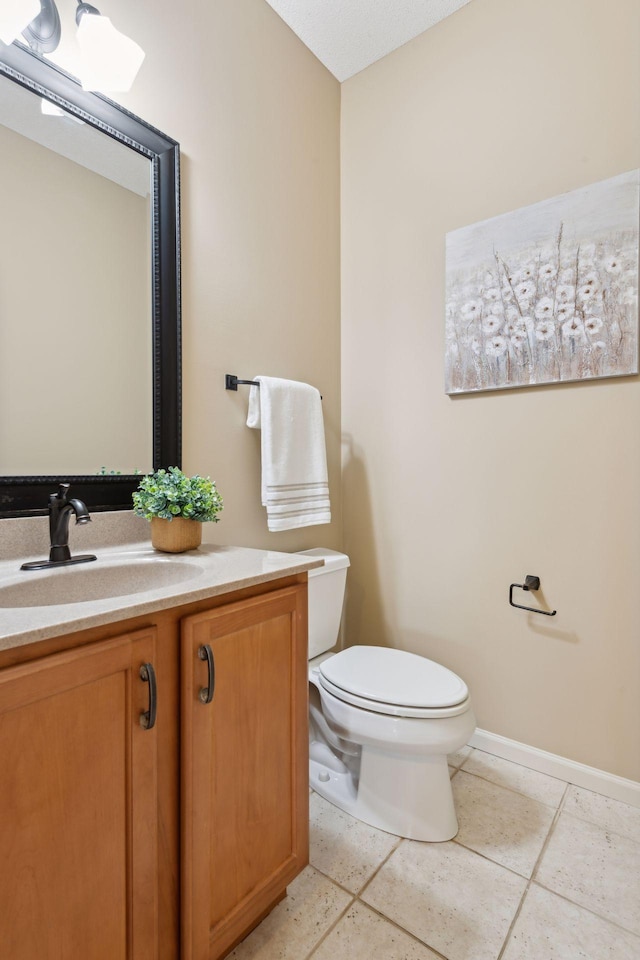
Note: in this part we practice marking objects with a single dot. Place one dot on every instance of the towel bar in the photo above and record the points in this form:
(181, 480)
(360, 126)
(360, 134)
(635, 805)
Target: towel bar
(231, 382)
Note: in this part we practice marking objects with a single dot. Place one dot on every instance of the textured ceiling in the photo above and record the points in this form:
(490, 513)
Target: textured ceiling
(348, 35)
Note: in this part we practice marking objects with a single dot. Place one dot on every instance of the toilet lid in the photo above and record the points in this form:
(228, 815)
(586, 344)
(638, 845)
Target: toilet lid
(397, 677)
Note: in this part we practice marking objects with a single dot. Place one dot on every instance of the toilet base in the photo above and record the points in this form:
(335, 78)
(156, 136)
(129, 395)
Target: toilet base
(407, 797)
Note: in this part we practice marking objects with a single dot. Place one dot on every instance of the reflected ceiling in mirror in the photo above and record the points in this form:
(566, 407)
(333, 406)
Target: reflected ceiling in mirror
(89, 292)
(75, 294)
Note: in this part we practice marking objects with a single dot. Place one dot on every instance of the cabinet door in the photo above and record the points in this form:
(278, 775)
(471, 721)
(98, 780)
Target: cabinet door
(245, 780)
(78, 857)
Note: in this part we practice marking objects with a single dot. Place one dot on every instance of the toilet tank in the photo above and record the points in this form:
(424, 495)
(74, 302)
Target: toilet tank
(326, 596)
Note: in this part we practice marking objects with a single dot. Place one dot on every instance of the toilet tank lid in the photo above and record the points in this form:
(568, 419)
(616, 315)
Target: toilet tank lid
(333, 560)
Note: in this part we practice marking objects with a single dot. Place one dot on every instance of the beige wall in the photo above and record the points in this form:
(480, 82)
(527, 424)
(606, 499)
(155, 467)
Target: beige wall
(257, 118)
(447, 501)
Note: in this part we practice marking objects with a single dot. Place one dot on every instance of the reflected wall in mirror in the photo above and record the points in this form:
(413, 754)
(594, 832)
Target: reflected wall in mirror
(75, 295)
(89, 292)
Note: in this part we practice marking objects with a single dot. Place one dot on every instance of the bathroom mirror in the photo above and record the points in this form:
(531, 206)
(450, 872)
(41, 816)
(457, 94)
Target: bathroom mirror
(89, 292)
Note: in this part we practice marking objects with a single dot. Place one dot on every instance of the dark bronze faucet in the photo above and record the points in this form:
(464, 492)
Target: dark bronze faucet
(60, 509)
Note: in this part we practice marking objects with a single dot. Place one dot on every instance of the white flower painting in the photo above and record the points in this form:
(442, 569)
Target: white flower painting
(546, 294)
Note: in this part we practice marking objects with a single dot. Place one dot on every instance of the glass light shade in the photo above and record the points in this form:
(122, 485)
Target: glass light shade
(15, 15)
(110, 61)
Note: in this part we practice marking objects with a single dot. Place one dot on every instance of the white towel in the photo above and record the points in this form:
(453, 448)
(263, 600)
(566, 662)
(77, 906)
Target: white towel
(295, 488)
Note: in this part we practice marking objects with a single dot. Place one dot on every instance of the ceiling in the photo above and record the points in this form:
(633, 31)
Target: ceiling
(349, 35)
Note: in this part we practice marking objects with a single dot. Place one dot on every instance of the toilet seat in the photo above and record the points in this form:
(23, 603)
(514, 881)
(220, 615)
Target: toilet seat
(393, 682)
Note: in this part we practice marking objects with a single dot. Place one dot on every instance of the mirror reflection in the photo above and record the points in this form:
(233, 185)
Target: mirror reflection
(75, 295)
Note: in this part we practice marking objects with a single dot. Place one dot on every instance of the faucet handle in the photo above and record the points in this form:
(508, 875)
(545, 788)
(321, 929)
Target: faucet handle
(63, 490)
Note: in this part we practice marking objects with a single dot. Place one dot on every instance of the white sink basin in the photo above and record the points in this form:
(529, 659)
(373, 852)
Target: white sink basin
(95, 581)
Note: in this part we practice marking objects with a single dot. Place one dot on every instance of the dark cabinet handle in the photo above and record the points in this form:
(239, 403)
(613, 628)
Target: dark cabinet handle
(206, 693)
(148, 718)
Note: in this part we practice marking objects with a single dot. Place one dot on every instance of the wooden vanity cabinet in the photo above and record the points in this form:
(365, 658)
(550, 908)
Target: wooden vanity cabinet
(78, 801)
(245, 786)
(119, 842)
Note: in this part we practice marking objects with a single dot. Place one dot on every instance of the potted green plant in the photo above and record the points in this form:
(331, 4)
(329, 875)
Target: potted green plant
(177, 506)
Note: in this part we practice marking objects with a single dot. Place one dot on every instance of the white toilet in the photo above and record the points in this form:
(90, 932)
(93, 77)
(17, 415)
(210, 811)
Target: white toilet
(382, 722)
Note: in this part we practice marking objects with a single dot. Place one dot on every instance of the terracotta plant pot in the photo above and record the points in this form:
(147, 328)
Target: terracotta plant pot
(177, 535)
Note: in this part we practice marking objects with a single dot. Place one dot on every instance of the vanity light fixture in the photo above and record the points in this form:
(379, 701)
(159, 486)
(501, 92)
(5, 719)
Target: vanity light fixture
(109, 59)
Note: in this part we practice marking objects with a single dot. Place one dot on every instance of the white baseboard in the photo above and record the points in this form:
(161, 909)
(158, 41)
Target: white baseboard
(590, 778)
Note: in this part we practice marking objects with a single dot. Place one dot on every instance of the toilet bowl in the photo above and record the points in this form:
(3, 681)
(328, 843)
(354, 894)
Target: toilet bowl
(381, 722)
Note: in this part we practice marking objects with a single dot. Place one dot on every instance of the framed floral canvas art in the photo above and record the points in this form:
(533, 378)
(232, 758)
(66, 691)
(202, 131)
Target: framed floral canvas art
(546, 294)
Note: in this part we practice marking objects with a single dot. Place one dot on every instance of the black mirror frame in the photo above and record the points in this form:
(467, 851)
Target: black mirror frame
(28, 496)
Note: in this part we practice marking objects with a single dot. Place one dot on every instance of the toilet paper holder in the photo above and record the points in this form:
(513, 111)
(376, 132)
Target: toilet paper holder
(530, 583)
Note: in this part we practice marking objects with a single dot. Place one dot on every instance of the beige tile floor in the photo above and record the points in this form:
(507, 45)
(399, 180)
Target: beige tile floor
(540, 870)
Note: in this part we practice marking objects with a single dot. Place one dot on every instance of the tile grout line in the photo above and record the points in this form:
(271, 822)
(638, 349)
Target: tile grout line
(398, 926)
(528, 796)
(332, 927)
(545, 845)
(408, 932)
(368, 880)
(567, 783)
(599, 916)
(336, 883)
(600, 825)
(355, 898)
(380, 866)
(533, 872)
(476, 853)
(563, 897)
(484, 856)
(503, 866)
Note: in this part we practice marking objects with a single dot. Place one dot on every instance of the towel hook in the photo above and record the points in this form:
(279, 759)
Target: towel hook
(530, 583)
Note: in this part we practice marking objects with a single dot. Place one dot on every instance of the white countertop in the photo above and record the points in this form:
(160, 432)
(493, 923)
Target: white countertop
(208, 572)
